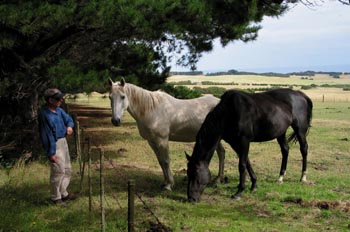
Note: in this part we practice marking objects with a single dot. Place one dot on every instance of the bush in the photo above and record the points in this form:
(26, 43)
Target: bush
(306, 87)
(181, 92)
(216, 91)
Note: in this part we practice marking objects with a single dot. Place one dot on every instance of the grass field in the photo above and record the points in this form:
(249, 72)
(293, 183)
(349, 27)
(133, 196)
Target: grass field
(321, 93)
(322, 205)
(243, 80)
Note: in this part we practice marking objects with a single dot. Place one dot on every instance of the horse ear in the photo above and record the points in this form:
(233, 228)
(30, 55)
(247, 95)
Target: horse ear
(122, 82)
(188, 157)
(110, 81)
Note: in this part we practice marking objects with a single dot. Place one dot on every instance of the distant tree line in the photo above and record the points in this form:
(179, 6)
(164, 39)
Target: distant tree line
(269, 74)
(235, 72)
(191, 73)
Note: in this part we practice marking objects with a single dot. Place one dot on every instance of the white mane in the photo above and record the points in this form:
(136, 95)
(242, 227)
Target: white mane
(142, 101)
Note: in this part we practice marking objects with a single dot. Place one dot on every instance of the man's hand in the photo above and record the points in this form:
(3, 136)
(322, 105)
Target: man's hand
(69, 130)
(52, 158)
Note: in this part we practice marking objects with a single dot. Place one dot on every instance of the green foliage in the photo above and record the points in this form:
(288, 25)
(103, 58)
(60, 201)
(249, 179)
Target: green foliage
(139, 63)
(216, 91)
(88, 32)
(73, 80)
(191, 73)
(181, 83)
(217, 83)
(181, 92)
(306, 87)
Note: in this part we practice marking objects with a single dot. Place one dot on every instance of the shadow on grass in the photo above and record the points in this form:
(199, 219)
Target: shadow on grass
(30, 195)
(27, 207)
(147, 183)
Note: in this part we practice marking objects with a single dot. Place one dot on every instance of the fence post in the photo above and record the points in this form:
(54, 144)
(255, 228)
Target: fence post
(78, 142)
(131, 189)
(82, 169)
(102, 190)
(89, 174)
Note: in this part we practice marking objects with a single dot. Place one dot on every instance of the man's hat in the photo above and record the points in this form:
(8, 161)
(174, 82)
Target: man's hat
(53, 93)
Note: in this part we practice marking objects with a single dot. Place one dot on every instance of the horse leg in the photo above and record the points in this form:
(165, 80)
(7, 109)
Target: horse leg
(221, 154)
(300, 133)
(282, 141)
(252, 175)
(242, 149)
(303, 150)
(161, 149)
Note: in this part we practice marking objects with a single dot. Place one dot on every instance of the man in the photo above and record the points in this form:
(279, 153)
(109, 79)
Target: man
(54, 125)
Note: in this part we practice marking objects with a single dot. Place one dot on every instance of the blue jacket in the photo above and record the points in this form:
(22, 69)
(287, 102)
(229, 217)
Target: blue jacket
(53, 126)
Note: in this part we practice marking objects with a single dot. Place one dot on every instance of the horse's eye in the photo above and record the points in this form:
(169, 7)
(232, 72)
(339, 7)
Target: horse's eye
(123, 97)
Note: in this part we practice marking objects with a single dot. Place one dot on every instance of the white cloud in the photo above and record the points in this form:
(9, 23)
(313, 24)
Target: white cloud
(302, 23)
(302, 38)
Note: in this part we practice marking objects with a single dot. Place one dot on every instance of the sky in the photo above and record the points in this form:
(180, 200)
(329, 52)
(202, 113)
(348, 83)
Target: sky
(303, 39)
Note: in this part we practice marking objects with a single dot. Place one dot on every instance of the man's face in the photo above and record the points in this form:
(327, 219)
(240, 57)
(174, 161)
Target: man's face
(55, 102)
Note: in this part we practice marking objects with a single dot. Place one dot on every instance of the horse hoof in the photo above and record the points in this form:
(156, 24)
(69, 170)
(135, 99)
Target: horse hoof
(236, 197)
(253, 190)
(307, 182)
(279, 181)
(167, 187)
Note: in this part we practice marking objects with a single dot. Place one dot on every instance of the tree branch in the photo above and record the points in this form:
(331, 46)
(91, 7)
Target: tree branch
(345, 3)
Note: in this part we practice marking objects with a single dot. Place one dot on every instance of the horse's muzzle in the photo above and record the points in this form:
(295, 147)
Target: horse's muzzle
(116, 122)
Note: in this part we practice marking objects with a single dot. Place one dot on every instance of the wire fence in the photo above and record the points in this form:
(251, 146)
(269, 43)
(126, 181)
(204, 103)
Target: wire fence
(85, 149)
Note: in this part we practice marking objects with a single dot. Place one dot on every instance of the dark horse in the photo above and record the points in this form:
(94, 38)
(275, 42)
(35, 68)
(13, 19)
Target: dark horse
(241, 118)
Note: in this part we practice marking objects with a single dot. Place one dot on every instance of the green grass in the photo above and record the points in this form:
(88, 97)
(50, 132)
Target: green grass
(322, 205)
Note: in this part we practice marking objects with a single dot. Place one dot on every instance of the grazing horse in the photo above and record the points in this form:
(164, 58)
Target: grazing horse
(162, 118)
(241, 118)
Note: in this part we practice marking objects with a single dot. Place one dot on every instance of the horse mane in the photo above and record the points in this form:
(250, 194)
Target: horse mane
(210, 131)
(142, 100)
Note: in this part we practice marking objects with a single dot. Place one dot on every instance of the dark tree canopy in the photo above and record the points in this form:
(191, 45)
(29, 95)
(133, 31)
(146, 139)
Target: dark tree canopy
(134, 38)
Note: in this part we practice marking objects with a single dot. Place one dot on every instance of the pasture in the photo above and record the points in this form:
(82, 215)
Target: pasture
(321, 205)
(325, 86)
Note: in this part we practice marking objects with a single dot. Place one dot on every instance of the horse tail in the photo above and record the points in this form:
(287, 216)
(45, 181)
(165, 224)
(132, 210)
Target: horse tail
(293, 136)
(309, 112)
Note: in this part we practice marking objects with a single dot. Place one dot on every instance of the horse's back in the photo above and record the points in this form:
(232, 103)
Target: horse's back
(187, 116)
(286, 95)
(259, 117)
(299, 103)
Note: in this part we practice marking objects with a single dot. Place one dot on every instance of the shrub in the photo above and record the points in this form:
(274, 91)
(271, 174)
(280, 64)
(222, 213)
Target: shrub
(216, 91)
(181, 92)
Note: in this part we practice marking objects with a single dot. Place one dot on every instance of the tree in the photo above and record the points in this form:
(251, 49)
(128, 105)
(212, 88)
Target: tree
(35, 34)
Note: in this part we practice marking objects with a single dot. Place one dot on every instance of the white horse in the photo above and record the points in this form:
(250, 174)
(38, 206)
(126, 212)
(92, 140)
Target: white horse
(162, 118)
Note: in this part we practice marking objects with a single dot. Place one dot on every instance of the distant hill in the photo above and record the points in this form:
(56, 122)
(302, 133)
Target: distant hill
(270, 74)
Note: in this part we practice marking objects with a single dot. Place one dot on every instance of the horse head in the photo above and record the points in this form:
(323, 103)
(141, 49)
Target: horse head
(198, 177)
(119, 101)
